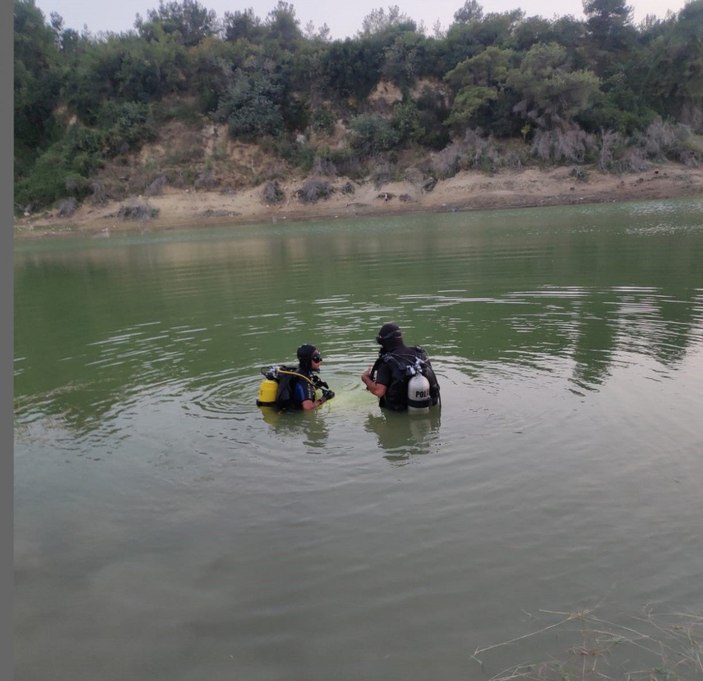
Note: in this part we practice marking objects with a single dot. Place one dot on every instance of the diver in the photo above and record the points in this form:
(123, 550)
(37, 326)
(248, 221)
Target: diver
(402, 377)
(295, 388)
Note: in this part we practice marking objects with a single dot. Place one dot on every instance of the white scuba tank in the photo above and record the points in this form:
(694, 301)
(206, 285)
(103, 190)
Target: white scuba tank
(418, 393)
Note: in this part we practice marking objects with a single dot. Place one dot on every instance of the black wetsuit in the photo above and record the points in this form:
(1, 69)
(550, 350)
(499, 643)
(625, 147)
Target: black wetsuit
(295, 385)
(303, 390)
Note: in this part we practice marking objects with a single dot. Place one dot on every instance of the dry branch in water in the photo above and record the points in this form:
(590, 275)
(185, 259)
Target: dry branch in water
(666, 647)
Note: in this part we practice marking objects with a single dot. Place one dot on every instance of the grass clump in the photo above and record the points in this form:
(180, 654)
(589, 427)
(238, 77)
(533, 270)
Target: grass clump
(647, 647)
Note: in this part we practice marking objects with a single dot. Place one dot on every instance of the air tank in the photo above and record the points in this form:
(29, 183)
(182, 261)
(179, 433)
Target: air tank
(418, 394)
(267, 393)
(268, 388)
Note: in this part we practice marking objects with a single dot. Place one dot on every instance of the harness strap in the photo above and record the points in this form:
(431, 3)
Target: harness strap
(295, 373)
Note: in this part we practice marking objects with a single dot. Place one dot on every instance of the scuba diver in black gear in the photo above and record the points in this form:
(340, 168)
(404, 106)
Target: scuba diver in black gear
(402, 377)
(296, 387)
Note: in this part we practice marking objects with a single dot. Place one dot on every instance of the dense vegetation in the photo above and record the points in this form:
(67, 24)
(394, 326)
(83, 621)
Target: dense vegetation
(495, 89)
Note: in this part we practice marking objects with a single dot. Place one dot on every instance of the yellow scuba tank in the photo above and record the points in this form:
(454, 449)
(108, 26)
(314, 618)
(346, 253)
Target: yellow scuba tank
(267, 393)
(268, 388)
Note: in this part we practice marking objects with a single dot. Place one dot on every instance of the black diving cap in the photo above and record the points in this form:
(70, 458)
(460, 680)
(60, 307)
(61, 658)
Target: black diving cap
(388, 332)
(305, 353)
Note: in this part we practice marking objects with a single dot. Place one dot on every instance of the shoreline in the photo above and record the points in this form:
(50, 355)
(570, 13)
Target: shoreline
(466, 191)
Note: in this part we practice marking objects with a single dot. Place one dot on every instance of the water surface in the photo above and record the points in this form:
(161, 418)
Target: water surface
(166, 528)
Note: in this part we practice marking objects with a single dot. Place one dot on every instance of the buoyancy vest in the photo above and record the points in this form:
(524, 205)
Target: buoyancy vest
(401, 365)
(288, 379)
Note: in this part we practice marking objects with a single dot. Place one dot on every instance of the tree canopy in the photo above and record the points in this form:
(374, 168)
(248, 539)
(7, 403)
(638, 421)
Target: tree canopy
(80, 100)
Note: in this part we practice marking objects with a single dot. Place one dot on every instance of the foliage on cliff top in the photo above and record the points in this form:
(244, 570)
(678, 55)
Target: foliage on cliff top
(598, 90)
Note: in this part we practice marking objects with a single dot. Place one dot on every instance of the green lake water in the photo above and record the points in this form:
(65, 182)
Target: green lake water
(167, 529)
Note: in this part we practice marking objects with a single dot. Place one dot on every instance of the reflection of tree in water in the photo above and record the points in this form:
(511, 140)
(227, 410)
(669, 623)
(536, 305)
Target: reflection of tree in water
(640, 321)
(402, 435)
(310, 424)
(94, 332)
(595, 328)
(594, 344)
(676, 325)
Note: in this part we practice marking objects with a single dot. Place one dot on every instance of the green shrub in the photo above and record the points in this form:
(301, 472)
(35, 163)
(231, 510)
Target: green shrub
(323, 120)
(58, 173)
(250, 107)
(406, 121)
(371, 134)
(298, 154)
(128, 125)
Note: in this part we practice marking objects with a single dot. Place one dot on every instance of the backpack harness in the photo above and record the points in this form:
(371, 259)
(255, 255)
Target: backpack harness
(403, 368)
(278, 387)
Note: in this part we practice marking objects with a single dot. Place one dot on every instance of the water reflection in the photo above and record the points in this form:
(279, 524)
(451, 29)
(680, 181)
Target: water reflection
(93, 379)
(97, 330)
(403, 435)
(311, 425)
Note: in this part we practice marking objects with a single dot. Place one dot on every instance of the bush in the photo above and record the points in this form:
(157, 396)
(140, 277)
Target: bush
(98, 193)
(250, 107)
(476, 152)
(447, 162)
(206, 180)
(669, 141)
(273, 193)
(579, 174)
(406, 121)
(662, 141)
(179, 178)
(313, 190)
(67, 207)
(335, 162)
(157, 186)
(323, 165)
(371, 134)
(323, 120)
(47, 182)
(611, 148)
(76, 185)
(296, 153)
(136, 209)
(129, 124)
(382, 173)
(572, 145)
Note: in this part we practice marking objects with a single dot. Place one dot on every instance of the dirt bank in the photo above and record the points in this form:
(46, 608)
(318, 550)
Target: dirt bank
(466, 191)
